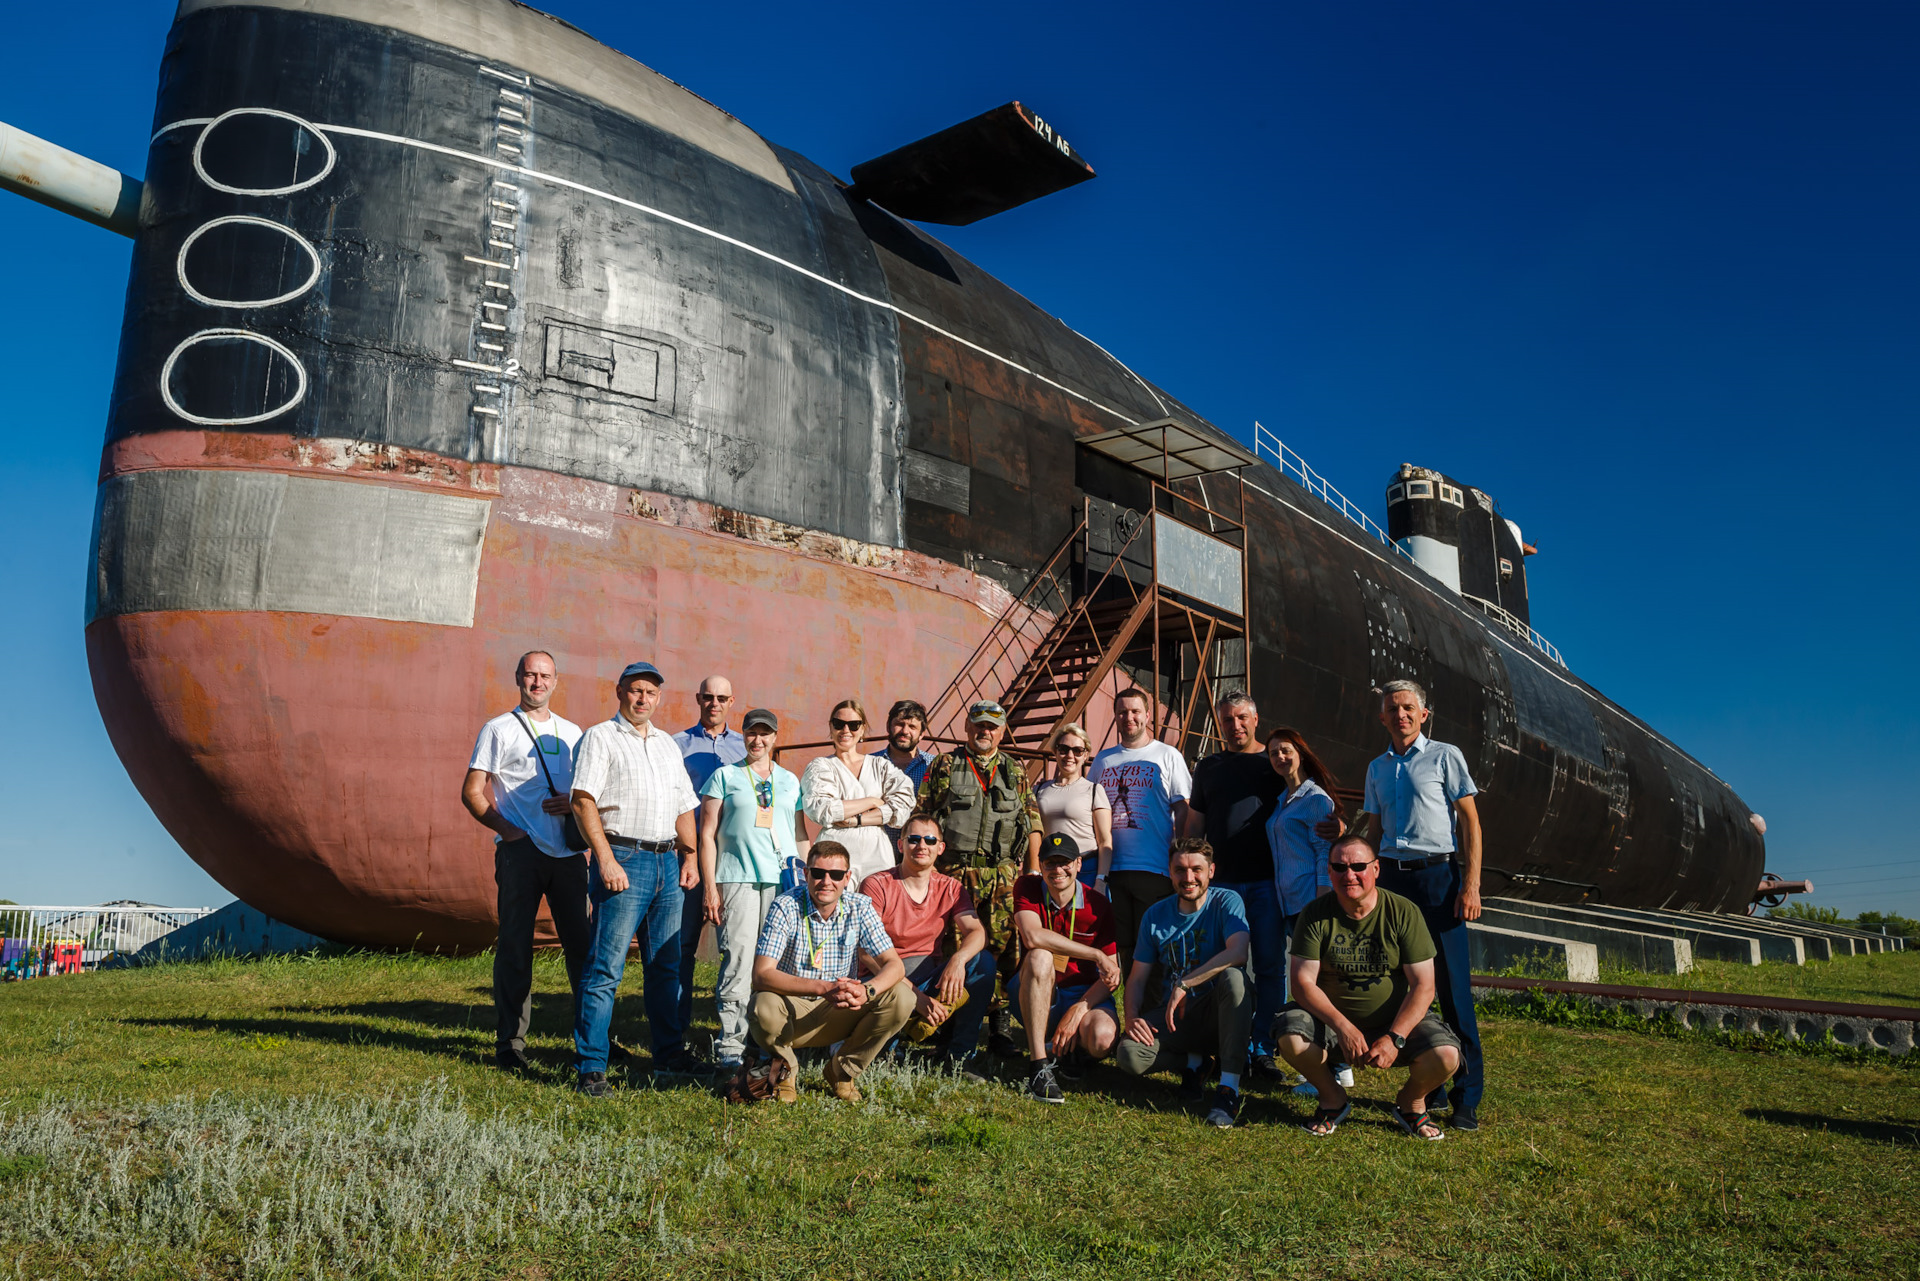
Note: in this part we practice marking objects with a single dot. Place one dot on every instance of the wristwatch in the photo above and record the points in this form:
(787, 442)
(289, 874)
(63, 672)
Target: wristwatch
(1399, 1042)
(872, 997)
(1181, 983)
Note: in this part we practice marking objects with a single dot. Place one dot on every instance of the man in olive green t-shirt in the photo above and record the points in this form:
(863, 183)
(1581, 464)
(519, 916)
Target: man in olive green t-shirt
(1362, 983)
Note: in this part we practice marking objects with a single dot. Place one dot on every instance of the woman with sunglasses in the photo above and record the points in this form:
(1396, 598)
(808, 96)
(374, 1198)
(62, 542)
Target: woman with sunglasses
(1073, 804)
(748, 813)
(855, 797)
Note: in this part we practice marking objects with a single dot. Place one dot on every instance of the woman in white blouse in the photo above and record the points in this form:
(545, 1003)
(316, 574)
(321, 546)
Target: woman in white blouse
(855, 795)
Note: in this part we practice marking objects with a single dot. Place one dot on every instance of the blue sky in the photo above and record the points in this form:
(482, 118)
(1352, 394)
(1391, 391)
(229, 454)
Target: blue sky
(1646, 273)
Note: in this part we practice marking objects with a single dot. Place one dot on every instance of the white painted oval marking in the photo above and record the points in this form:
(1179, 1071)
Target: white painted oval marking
(200, 143)
(241, 335)
(313, 256)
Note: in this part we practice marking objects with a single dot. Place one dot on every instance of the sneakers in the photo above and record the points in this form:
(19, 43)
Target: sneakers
(1193, 1081)
(1343, 1075)
(1464, 1119)
(1226, 1108)
(1042, 1087)
(593, 1085)
(1072, 1066)
(1266, 1068)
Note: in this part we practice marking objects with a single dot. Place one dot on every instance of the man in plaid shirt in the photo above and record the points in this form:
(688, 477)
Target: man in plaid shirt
(807, 989)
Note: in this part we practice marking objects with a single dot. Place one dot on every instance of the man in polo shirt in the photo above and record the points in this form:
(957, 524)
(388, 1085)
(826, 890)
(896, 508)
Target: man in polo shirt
(1064, 990)
(1363, 992)
(517, 785)
(930, 918)
(1187, 994)
(1234, 794)
(1416, 790)
(705, 745)
(807, 989)
(635, 806)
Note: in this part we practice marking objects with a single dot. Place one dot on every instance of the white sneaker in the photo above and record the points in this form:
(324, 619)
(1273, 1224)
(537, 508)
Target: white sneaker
(1343, 1073)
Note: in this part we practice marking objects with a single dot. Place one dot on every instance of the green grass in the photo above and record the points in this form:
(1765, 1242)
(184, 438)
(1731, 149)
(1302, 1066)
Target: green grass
(335, 1117)
(1876, 978)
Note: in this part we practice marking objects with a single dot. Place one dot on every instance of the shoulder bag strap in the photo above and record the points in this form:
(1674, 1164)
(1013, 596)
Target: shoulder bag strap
(538, 755)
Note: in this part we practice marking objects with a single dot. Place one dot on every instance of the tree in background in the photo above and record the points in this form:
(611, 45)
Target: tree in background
(1891, 923)
(1807, 912)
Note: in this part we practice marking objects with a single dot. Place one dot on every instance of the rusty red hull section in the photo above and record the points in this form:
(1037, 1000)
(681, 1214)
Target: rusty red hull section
(312, 764)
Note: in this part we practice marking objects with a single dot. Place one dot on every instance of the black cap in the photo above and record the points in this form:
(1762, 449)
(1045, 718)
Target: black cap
(1059, 845)
(760, 716)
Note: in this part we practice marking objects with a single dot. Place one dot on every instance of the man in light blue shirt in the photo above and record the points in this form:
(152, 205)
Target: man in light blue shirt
(1422, 795)
(705, 746)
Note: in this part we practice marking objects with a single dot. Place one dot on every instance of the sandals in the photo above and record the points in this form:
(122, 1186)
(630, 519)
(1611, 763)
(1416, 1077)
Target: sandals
(1420, 1125)
(1329, 1117)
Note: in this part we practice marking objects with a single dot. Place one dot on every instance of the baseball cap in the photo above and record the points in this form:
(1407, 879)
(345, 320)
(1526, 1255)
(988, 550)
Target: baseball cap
(760, 716)
(1058, 845)
(643, 669)
(988, 711)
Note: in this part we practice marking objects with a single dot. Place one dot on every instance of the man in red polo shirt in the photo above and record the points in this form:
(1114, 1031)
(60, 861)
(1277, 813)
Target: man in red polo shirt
(1064, 990)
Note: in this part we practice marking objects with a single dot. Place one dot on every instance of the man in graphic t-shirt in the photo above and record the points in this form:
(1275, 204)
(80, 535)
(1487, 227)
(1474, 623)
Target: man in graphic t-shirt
(517, 786)
(1363, 988)
(1187, 993)
(1147, 783)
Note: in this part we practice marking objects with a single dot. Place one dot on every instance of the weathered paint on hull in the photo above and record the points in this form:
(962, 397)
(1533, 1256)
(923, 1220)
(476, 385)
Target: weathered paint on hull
(310, 763)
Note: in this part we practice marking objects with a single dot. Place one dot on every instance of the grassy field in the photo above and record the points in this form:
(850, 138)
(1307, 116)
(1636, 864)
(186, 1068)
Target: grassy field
(1877, 978)
(335, 1117)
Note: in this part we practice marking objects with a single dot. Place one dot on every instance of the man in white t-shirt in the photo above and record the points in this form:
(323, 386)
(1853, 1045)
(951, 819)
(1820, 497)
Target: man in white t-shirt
(1147, 783)
(517, 786)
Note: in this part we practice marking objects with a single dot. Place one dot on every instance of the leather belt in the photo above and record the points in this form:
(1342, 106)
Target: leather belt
(1416, 864)
(650, 847)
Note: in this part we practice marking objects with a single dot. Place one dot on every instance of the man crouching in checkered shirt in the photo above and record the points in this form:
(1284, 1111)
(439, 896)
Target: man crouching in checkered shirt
(805, 976)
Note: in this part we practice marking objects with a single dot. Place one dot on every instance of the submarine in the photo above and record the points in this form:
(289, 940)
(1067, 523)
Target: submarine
(452, 333)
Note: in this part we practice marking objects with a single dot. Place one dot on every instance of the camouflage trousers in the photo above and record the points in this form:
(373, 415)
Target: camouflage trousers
(991, 885)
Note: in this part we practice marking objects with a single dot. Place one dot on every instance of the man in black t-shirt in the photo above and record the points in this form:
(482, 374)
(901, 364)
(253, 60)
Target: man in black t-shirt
(1234, 794)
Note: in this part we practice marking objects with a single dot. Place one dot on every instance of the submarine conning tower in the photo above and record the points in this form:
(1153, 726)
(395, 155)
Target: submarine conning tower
(1458, 534)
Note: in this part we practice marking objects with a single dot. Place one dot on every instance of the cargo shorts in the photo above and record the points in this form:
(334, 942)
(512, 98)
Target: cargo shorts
(1430, 1033)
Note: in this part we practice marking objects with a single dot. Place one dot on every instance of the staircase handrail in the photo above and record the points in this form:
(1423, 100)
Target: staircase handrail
(1022, 607)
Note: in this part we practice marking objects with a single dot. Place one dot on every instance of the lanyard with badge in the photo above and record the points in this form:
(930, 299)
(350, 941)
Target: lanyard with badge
(763, 799)
(811, 945)
(1060, 959)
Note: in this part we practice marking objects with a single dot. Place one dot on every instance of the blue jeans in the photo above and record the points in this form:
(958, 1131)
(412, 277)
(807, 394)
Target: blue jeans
(693, 920)
(1433, 890)
(651, 900)
(1266, 955)
(961, 1033)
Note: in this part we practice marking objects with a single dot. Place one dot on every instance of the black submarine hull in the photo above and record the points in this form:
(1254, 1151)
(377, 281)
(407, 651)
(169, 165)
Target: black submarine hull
(451, 333)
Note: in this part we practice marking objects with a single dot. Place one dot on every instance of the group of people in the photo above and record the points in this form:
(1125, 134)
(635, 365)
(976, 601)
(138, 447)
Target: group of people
(910, 897)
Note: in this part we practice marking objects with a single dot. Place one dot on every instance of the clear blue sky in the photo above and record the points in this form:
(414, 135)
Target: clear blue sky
(1645, 272)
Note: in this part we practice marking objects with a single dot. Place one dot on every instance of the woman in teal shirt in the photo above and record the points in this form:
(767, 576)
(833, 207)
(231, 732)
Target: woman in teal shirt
(747, 837)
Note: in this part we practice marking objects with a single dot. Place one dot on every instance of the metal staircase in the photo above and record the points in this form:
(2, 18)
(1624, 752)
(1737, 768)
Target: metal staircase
(1110, 598)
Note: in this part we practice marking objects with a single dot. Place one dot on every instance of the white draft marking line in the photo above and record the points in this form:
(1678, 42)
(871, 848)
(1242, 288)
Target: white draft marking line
(507, 76)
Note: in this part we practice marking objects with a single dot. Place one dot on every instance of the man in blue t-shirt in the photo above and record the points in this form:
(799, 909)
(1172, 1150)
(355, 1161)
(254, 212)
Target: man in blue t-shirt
(1187, 994)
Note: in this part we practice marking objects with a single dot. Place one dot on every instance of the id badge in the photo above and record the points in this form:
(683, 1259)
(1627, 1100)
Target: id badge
(762, 818)
(1060, 962)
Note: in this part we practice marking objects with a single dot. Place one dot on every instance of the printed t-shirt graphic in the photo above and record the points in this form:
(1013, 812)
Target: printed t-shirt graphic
(1361, 961)
(1142, 783)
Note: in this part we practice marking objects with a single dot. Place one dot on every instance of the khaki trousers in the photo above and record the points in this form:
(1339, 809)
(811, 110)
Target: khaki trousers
(782, 1024)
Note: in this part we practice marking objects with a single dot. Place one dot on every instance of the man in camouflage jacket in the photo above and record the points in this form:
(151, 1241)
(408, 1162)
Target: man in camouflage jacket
(991, 823)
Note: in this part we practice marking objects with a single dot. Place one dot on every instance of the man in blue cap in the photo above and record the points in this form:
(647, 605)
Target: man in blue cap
(635, 806)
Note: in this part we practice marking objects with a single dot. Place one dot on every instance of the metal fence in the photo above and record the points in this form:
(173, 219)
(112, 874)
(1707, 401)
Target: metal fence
(30, 932)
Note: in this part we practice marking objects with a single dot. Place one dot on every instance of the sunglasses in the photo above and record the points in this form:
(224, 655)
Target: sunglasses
(848, 726)
(1355, 868)
(714, 698)
(1069, 751)
(923, 840)
(835, 874)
